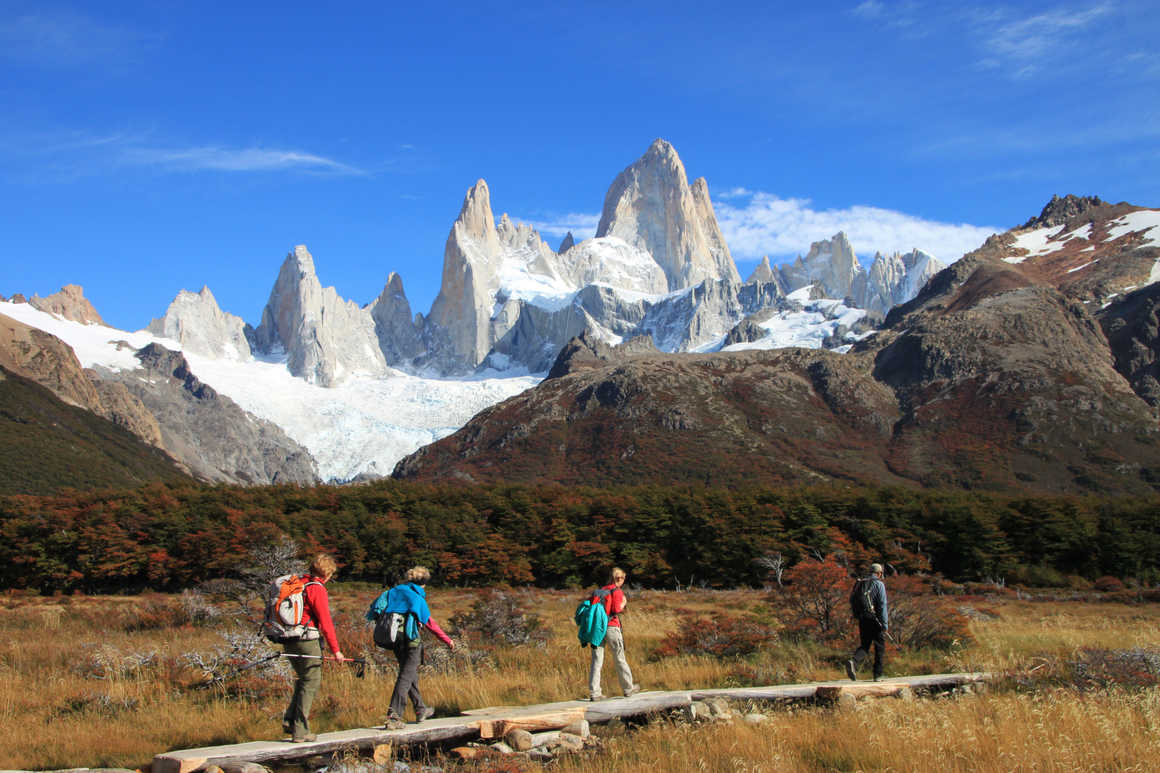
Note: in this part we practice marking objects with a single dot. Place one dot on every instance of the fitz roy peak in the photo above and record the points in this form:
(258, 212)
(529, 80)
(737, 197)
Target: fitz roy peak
(652, 206)
(658, 266)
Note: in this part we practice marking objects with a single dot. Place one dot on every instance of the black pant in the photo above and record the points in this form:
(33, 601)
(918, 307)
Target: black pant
(407, 682)
(870, 631)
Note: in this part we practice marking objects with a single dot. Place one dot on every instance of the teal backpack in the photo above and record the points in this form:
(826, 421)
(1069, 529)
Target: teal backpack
(592, 619)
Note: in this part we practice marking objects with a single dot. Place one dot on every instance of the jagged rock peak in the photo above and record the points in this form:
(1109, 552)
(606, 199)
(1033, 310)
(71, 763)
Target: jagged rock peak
(568, 243)
(199, 324)
(1060, 210)
(763, 272)
(302, 258)
(651, 206)
(69, 303)
(394, 285)
(475, 214)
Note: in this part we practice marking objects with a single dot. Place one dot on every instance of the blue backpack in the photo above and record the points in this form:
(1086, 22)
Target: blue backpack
(592, 619)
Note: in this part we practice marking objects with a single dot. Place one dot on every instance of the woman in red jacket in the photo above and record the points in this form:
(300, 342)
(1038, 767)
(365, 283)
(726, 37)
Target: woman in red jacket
(614, 604)
(308, 667)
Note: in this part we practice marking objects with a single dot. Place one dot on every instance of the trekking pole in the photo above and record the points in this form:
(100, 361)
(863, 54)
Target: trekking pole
(360, 663)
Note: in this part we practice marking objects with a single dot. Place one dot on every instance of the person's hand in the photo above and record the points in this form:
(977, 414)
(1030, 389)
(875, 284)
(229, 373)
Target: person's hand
(451, 645)
(340, 657)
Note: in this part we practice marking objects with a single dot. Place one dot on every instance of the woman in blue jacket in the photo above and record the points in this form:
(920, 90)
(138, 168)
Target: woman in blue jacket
(408, 601)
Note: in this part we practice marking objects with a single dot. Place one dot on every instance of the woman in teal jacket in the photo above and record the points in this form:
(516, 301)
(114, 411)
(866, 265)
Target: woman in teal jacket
(409, 601)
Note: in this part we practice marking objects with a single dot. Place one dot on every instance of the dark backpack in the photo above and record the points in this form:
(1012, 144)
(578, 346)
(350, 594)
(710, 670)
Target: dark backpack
(393, 628)
(861, 602)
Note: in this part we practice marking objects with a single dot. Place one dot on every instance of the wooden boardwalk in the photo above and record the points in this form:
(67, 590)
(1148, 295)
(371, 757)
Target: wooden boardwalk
(494, 722)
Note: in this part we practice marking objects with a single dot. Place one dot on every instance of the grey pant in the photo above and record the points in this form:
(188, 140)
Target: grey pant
(407, 682)
(307, 680)
(614, 641)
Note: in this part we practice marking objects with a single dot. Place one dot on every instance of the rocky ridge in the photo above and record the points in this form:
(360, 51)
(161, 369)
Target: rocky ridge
(992, 378)
(69, 303)
(207, 432)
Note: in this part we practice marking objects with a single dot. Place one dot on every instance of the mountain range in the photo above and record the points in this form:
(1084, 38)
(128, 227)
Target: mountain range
(325, 388)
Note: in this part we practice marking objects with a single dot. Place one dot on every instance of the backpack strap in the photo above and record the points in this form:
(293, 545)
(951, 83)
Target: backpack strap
(306, 602)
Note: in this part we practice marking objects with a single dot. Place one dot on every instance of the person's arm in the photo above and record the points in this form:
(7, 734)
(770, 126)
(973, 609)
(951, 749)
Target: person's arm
(434, 628)
(880, 603)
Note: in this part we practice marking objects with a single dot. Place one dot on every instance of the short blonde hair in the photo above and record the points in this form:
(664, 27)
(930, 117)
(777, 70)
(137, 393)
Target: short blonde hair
(323, 565)
(616, 574)
(419, 574)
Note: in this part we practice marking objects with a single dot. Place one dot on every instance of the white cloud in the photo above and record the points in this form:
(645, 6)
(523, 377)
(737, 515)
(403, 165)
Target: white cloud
(581, 225)
(241, 160)
(870, 9)
(1020, 47)
(64, 38)
(784, 228)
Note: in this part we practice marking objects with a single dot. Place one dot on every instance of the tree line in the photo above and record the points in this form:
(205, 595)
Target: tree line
(172, 536)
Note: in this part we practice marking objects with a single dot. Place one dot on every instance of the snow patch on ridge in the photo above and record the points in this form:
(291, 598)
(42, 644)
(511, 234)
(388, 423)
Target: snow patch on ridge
(1142, 220)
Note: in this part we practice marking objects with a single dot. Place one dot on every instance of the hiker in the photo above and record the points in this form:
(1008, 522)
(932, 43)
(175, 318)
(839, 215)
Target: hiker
(614, 604)
(308, 667)
(408, 599)
(868, 605)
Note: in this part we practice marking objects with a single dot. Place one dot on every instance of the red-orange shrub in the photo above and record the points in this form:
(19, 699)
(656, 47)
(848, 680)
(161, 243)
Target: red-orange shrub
(721, 636)
(815, 600)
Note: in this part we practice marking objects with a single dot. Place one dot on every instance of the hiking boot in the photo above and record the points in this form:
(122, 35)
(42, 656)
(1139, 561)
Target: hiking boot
(394, 723)
(304, 738)
(850, 670)
(424, 713)
(879, 678)
(631, 691)
(595, 697)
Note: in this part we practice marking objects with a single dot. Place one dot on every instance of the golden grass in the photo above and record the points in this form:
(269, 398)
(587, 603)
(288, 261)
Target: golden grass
(78, 690)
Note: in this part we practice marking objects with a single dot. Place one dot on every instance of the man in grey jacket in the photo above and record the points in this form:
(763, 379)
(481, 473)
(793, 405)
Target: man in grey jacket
(868, 605)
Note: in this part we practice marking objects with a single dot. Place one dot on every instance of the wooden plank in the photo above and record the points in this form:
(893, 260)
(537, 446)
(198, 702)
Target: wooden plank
(431, 731)
(553, 720)
(496, 721)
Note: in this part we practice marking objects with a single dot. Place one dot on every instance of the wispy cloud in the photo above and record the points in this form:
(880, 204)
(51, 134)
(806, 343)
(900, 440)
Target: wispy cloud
(1023, 47)
(79, 154)
(64, 38)
(236, 160)
(580, 225)
(782, 228)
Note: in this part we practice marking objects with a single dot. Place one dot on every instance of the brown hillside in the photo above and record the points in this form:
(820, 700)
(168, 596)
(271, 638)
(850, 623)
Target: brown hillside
(989, 380)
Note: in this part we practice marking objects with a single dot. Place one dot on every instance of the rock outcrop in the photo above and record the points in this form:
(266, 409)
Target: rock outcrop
(400, 335)
(325, 338)
(830, 264)
(50, 362)
(1132, 326)
(763, 273)
(197, 322)
(459, 322)
(651, 205)
(69, 303)
(207, 432)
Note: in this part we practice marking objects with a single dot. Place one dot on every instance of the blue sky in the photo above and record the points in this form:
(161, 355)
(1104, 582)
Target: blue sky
(149, 147)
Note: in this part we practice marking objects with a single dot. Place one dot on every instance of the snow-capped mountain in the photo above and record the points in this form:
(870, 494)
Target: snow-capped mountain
(359, 428)
(360, 387)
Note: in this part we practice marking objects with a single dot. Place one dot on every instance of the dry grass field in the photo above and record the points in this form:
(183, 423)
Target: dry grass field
(110, 681)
